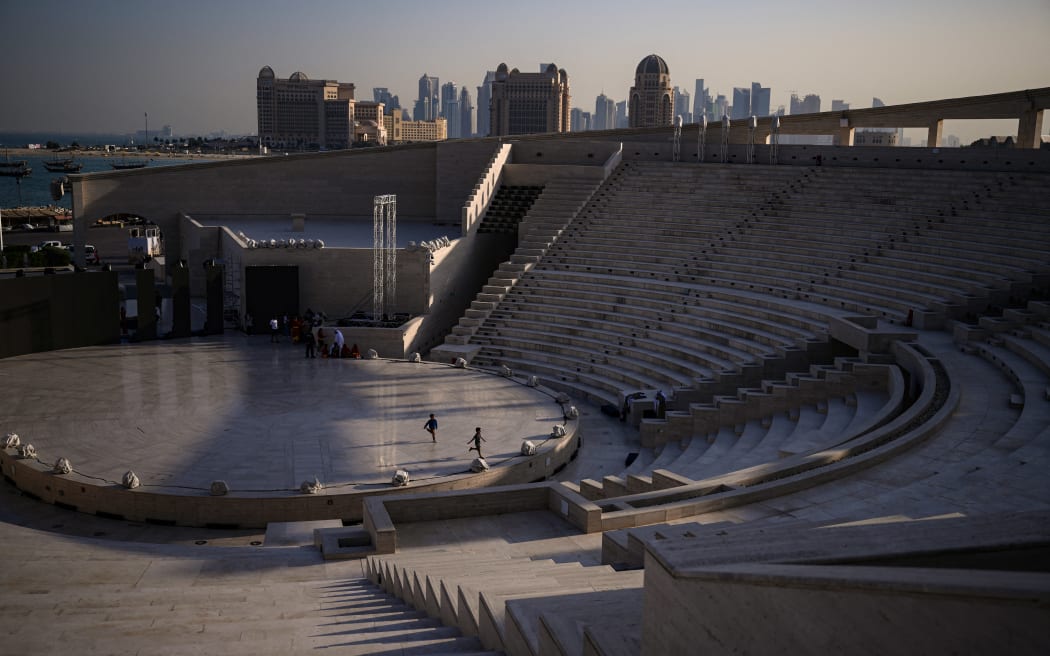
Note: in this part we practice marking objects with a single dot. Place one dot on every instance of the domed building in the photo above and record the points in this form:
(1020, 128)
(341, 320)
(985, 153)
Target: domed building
(301, 113)
(651, 100)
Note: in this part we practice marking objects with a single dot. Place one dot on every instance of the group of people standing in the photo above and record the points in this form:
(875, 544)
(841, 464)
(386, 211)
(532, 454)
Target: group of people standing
(338, 349)
(310, 331)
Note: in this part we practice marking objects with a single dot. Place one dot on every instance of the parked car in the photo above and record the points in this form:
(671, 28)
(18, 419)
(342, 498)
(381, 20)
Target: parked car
(28, 227)
(92, 254)
(44, 244)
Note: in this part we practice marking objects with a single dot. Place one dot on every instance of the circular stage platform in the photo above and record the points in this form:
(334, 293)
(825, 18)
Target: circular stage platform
(263, 419)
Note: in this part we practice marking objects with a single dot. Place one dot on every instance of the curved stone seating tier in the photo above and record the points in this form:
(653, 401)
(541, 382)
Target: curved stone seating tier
(661, 334)
(906, 257)
(592, 360)
(721, 262)
(753, 314)
(759, 442)
(655, 360)
(923, 418)
(810, 316)
(1035, 349)
(683, 325)
(651, 351)
(562, 375)
(939, 288)
(545, 362)
(773, 281)
(757, 428)
(800, 430)
(808, 219)
(982, 460)
(1031, 380)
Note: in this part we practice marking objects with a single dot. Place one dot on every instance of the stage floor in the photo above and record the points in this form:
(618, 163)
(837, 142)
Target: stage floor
(260, 416)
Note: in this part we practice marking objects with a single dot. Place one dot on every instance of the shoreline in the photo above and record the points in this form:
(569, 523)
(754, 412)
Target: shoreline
(23, 153)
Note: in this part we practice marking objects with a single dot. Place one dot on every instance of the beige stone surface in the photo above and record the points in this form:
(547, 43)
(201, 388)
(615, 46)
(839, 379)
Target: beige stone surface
(261, 416)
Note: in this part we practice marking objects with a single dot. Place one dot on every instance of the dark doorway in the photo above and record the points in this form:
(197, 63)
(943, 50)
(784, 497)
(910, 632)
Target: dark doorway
(270, 291)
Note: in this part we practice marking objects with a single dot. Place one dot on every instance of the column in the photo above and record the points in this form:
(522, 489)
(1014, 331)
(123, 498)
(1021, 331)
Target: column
(180, 301)
(933, 137)
(1030, 129)
(146, 327)
(213, 276)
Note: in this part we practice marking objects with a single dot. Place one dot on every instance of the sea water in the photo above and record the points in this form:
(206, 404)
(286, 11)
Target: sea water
(34, 190)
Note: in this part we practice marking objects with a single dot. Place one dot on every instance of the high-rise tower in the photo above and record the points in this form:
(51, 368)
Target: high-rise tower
(428, 105)
(484, 100)
(604, 117)
(466, 114)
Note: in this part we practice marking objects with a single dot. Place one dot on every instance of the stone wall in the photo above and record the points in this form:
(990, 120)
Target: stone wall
(458, 165)
(320, 184)
(748, 608)
(339, 280)
(50, 312)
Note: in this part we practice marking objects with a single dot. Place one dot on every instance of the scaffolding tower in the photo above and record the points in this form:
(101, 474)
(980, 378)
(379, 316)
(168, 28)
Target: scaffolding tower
(384, 255)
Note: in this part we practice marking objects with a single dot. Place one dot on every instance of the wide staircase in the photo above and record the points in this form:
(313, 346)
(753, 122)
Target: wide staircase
(99, 597)
(541, 226)
(516, 605)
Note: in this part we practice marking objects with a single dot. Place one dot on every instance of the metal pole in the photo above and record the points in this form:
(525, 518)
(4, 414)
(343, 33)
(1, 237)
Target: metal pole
(676, 148)
(752, 125)
(701, 139)
(774, 139)
(725, 138)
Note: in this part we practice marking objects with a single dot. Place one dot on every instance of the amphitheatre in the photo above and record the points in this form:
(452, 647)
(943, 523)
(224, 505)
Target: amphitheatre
(778, 399)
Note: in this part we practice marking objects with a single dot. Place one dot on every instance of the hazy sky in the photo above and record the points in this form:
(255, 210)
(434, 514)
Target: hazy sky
(99, 65)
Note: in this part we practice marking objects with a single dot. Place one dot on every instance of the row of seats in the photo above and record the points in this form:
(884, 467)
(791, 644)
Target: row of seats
(507, 208)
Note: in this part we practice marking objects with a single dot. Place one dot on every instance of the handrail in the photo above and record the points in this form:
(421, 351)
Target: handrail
(485, 189)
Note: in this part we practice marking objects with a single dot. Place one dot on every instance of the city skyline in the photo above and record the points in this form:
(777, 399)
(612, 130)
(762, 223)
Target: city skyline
(193, 66)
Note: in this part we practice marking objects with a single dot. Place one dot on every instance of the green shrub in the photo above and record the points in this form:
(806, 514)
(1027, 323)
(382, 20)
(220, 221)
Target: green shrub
(50, 256)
